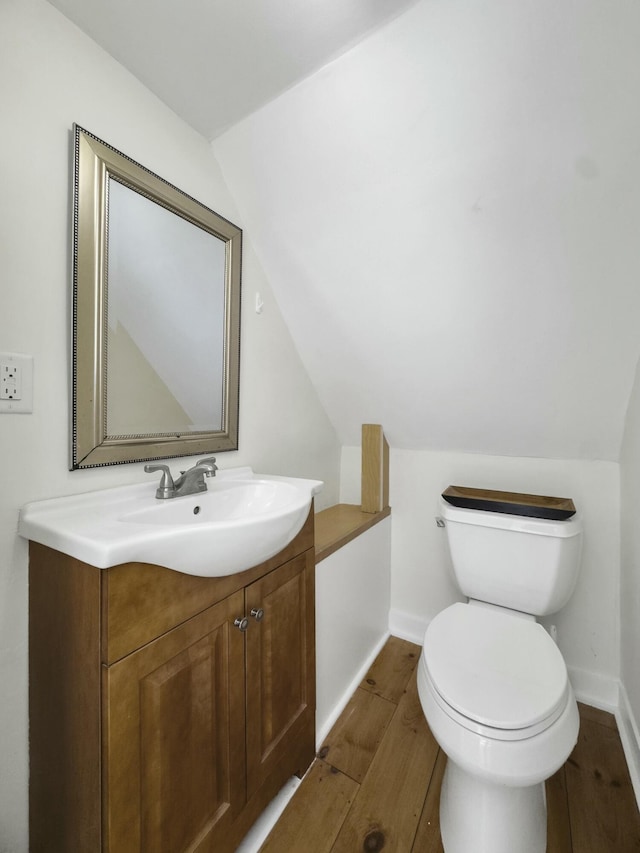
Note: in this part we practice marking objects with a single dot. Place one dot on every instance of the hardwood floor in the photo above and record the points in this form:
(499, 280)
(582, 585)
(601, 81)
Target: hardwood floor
(376, 781)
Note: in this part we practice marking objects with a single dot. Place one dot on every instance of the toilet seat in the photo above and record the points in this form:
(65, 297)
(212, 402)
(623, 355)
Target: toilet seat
(493, 672)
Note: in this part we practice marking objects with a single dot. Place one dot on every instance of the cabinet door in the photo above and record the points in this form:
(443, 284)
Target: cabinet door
(281, 679)
(174, 726)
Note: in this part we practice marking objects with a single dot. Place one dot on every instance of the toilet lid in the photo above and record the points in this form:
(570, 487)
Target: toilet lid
(493, 667)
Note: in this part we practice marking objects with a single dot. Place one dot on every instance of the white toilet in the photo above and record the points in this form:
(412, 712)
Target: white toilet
(492, 682)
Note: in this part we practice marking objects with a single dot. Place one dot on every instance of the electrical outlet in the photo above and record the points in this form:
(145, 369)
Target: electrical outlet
(16, 383)
(10, 382)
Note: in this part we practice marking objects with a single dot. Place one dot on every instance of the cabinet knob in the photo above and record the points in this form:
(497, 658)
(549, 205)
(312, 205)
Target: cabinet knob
(257, 613)
(242, 624)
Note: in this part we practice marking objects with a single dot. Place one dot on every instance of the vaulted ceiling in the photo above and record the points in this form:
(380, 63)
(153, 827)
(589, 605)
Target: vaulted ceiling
(447, 209)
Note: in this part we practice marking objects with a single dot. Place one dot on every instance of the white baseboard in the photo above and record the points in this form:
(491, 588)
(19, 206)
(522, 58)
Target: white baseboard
(592, 688)
(257, 835)
(341, 704)
(408, 627)
(630, 737)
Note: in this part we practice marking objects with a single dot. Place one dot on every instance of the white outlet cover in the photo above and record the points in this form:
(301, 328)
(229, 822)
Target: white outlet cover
(25, 404)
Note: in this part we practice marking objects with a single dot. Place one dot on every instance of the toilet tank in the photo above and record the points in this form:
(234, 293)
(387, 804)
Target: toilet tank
(527, 564)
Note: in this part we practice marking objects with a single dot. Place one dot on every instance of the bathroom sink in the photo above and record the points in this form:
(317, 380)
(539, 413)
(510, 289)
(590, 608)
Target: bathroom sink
(241, 520)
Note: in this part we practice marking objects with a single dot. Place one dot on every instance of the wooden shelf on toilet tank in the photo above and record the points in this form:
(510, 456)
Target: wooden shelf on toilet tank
(510, 503)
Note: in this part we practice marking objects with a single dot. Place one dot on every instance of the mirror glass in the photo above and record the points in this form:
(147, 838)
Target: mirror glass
(156, 315)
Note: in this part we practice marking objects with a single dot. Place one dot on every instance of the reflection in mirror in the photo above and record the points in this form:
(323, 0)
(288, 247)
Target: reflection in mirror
(166, 302)
(156, 316)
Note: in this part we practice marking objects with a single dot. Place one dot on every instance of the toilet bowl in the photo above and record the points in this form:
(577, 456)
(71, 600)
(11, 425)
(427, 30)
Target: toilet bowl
(493, 684)
(495, 692)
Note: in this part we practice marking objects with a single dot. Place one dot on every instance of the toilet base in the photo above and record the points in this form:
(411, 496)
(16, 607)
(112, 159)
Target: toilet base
(483, 817)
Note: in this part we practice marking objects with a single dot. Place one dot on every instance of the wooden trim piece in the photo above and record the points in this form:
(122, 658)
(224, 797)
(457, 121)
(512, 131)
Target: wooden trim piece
(341, 523)
(375, 469)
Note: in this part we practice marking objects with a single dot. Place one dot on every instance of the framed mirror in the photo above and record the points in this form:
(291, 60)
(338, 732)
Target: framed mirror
(156, 315)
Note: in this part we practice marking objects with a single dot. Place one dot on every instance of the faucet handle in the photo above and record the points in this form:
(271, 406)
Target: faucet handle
(211, 461)
(166, 488)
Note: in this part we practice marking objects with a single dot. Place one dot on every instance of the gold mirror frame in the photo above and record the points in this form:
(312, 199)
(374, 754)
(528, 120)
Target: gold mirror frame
(95, 162)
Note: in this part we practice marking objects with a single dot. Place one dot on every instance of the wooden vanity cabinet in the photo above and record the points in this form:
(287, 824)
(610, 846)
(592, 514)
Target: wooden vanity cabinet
(157, 725)
(173, 735)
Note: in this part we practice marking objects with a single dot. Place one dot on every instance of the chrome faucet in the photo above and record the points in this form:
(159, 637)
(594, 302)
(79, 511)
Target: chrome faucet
(189, 482)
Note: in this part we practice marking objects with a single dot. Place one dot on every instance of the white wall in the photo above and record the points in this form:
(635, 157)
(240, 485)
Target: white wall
(51, 76)
(353, 587)
(630, 577)
(422, 585)
(452, 205)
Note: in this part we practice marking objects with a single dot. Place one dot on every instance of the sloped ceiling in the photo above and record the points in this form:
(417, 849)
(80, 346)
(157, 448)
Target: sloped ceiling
(448, 213)
(450, 216)
(215, 61)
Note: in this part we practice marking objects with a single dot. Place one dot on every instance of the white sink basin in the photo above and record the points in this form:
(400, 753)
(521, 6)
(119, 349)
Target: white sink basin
(240, 521)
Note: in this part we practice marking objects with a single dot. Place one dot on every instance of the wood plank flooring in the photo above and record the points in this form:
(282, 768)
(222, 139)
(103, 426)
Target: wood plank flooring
(376, 781)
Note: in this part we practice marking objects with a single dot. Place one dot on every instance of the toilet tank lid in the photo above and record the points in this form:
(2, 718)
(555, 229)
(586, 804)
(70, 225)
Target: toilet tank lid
(518, 523)
(493, 667)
